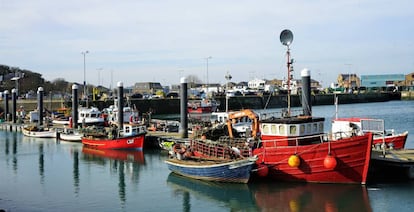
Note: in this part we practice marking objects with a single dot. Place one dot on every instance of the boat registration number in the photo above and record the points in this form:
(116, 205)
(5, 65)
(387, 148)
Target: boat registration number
(130, 141)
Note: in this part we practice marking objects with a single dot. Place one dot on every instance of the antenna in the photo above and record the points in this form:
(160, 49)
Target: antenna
(286, 38)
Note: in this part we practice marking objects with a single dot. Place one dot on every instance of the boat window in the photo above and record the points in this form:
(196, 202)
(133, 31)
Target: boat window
(127, 129)
(315, 127)
(282, 129)
(292, 130)
(273, 129)
(302, 129)
(321, 127)
(308, 128)
(265, 129)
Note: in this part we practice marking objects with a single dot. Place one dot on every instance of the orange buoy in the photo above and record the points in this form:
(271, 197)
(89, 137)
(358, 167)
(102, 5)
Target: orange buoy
(329, 162)
(262, 170)
(294, 161)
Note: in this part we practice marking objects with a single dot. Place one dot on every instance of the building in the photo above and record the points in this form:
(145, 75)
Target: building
(348, 81)
(409, 79)
(147, 87)
(384, 80)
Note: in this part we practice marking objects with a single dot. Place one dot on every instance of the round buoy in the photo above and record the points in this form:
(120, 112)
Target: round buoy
(262, 170)
(329, 162)
(294, 161)
(203, 137)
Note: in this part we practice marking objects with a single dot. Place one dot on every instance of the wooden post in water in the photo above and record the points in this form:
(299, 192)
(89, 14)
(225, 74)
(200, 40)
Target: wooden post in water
(40, 105)
(183, 108)
(14, 97)
(120, 105)
(75, 106)
(6, 105)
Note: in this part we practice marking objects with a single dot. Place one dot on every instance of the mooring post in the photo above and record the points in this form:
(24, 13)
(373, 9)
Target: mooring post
(14, 97)
(40, 105)
(6, 105)
(75, 105)
(183, 108)
(120, 105)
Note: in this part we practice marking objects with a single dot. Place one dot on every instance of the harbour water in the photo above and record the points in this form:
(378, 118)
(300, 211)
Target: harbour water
(48, 175)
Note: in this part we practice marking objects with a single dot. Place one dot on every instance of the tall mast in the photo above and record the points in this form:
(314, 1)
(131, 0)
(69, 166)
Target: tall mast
(286, 38)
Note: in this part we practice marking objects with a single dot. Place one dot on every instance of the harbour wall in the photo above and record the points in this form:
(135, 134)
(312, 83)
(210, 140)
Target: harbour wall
(172, 106)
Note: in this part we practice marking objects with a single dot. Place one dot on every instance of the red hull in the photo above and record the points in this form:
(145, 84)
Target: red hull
(130, 142)
(352, 156)
(398, 141)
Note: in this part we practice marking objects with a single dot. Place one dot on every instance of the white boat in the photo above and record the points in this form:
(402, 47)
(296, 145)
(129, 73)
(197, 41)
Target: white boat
(33, 131)
(90, 116)
(70, 135)
(130, 114)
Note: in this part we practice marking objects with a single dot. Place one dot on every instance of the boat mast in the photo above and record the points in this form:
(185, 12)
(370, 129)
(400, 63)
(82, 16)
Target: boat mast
(286, 38)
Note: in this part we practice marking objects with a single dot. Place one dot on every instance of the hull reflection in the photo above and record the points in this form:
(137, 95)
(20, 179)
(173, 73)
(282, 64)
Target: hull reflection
(123, 155)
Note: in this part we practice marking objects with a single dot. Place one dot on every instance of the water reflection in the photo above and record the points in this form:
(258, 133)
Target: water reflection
(273, 196)
(76, 171)
(123, 162)
(235, 196)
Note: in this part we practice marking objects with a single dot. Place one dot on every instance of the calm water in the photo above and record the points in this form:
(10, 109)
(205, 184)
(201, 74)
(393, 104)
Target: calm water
(45, 175)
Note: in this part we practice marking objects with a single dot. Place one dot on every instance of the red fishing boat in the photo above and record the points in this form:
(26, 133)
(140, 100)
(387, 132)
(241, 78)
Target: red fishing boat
(131, 136)
(388, 138)
(202, 106)
(295, 148)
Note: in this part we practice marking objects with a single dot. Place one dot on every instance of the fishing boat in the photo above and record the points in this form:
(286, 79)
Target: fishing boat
(383, 138)
(213, 169)
(90, 116)
(38, 132)
(130, 136)
(296, 148)
(202, 106)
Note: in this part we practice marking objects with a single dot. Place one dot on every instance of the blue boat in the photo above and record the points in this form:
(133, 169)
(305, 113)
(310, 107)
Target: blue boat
(219, 170)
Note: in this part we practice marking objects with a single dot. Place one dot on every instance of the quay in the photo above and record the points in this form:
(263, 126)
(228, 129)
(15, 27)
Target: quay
(392, 164)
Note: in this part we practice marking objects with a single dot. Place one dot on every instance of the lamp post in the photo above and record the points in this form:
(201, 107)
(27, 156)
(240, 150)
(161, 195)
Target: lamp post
(228, 78)
(85, 94)
(207, 58)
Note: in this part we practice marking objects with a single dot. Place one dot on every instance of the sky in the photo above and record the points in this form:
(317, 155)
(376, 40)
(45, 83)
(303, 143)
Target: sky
(133, 41)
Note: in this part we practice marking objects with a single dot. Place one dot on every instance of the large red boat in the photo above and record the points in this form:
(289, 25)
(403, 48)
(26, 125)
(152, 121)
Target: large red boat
(202, 106)
(131, 136)
(296, 149)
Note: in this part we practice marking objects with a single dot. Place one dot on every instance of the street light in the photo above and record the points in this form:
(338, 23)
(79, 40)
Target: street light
(207, 58)
(228, 78)
(84, 76)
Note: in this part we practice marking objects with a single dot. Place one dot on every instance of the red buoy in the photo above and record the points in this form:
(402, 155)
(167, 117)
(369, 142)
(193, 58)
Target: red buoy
(329, 162)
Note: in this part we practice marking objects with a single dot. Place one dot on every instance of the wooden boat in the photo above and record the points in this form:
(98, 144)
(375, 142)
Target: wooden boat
(345, 127)
(37, 132)
(131, 136)
(69, 134)
(219, 170)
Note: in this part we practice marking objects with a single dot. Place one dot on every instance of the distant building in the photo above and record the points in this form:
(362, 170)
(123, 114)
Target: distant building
(384, 80)
(409, 79)
(256, 84)
(348, 81)
(147, 87)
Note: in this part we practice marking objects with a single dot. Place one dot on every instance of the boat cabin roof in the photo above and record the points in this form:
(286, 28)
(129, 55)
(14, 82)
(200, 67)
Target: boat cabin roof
(293, 120)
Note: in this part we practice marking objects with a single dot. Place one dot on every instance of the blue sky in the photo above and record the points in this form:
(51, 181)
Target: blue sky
(160, 40)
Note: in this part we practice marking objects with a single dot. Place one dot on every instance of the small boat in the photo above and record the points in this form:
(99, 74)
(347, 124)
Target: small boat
(69, 134)
(90, 116)
(346, 127)
(38, 132)
(209, 169)
(202, 106)
(131, 136)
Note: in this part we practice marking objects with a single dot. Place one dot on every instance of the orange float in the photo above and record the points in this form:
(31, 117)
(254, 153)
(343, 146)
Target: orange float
(294, 161)
(330, 162)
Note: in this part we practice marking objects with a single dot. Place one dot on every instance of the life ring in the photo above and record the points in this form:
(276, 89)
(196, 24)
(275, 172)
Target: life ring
(179, 149)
